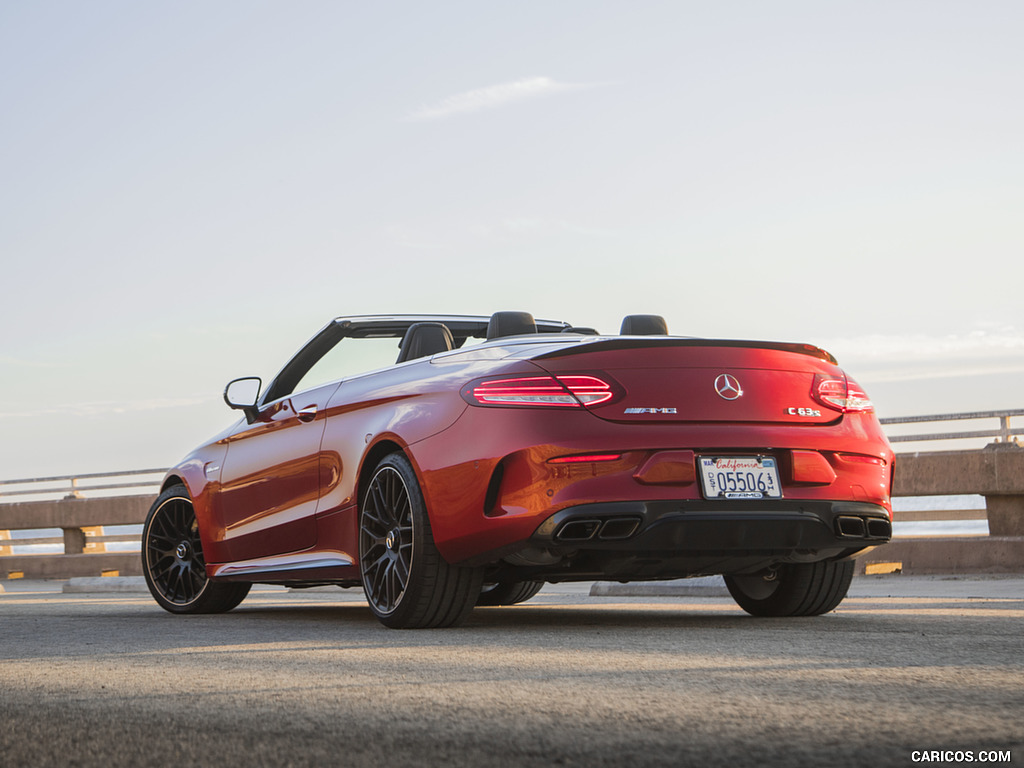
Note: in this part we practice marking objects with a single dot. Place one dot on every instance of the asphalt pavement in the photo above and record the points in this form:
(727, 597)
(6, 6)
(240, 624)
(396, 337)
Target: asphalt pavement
(905, 666)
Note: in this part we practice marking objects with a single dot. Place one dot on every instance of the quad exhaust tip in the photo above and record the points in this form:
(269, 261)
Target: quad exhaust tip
(879, 528)
(610, 529)
(851, 527)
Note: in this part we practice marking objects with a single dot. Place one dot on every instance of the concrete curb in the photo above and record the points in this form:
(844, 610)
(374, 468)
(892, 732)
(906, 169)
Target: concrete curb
(704, 586)
(114, 584)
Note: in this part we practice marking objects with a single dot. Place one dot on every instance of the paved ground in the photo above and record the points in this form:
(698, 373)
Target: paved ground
(569, 679)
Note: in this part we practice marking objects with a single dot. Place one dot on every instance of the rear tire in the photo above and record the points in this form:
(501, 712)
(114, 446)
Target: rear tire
(793, 589)
(407, 582)
(508, 592)
(173, 563)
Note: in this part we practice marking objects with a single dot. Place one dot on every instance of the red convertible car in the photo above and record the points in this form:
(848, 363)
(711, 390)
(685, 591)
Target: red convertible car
(497, 454)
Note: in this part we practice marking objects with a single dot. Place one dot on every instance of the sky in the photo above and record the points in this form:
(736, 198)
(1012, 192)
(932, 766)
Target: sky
(190, 190)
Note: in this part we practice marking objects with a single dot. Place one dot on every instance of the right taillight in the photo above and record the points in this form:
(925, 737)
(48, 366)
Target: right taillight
(841, 393)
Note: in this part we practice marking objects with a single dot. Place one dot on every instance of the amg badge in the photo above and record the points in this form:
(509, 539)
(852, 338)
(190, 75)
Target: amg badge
(650, 410)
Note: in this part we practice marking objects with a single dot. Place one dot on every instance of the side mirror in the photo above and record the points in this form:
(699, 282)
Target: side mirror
(242, 394)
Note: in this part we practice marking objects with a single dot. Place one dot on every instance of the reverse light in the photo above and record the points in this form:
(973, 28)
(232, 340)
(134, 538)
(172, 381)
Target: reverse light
(841, 393)
(569, 391)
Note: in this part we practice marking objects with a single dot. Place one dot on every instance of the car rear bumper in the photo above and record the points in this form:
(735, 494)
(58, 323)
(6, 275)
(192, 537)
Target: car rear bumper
(713, 526)
(629, 541)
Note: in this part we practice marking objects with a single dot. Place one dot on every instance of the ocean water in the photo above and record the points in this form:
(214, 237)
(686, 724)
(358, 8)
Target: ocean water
(938, 527)
(938, 503)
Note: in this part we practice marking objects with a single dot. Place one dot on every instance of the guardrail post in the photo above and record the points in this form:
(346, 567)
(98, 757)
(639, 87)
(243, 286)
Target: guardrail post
(1005, 515)
(1004, 425)
(4, 549)
(77, 540)
(74, 541)
(1004, 501)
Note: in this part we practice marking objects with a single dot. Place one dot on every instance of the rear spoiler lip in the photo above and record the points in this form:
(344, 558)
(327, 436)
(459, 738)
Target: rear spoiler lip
(640, 342)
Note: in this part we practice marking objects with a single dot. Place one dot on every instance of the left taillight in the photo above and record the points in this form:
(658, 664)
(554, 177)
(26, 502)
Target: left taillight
(841, 393)
(564, 391)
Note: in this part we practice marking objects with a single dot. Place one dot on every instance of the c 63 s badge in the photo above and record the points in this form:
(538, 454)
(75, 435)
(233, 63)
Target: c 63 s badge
(650, 410)
(808, 412)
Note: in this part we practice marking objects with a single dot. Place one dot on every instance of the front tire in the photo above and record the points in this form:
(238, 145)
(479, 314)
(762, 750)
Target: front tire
(407, 582)
(172, 560)
(793, 589)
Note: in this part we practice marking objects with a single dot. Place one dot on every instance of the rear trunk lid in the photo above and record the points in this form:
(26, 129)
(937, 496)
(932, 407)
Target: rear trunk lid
(701, 381)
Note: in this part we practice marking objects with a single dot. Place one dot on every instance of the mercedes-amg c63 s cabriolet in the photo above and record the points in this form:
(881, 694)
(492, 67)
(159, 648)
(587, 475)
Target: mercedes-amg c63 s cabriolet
(497, 454)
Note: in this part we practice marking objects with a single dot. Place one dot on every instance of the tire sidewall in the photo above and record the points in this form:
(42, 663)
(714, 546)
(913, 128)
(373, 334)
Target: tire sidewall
(508, 592)
(804, 589)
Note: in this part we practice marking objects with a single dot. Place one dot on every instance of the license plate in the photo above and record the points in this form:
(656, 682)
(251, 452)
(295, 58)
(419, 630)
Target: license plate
(740, 477)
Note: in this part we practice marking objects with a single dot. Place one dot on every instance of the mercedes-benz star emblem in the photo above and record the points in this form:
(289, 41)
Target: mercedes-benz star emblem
(728, 387)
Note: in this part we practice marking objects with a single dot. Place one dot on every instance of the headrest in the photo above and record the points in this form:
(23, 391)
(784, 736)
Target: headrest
(644, 325)
(424, 340)
(510, 324)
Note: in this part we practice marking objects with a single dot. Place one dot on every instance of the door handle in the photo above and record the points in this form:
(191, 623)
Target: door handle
(308, 413)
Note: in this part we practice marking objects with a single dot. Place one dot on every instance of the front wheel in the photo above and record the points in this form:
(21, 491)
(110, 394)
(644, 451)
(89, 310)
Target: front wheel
(793, 589)
(172, 560)
(407, 582)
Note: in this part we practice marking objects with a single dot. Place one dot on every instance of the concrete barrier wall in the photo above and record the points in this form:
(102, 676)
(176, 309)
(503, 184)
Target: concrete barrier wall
(75, 513)
(948, 555)
(71, 566)
(995, 472)
(72, 516)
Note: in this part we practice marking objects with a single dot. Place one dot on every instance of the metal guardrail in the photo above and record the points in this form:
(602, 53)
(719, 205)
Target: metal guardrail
(1006, 433)
(75, 485)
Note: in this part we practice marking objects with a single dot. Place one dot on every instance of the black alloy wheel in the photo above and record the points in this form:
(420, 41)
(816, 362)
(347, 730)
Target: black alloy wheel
(407, 582)
(386, 539)
(172, 560)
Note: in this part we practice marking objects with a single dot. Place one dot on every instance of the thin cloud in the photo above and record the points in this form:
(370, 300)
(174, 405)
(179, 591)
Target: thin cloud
(932, 373)
(23, 363)
(918, 357)
(106, 408)
(1004, 343)
(494, 96)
